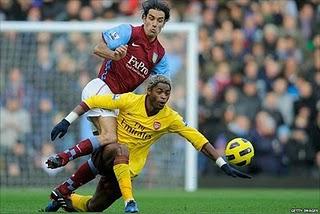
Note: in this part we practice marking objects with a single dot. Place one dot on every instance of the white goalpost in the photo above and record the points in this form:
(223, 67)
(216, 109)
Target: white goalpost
(191, 73)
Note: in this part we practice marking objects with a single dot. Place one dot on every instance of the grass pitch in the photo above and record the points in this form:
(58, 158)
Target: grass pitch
(204, 201)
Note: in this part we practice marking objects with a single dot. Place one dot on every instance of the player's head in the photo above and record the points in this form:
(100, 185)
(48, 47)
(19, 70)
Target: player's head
(158, 91)
(155, 14)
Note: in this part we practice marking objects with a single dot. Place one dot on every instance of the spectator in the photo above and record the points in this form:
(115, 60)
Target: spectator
(237, 52)
(217, 56)
(268, 150)
(285, 100)
(98, 7)
(50, 9)
(34, 14)
(270, 33)
(238, 127)
(15, 123)
(66, 80)
(270, 105)
(272, 70)
(258, 53)
(17, 88)
(307, 20)
(71, 12)
(299, 148)
(86, 14)
(250, 101)
(291, 68)
(42, 126)
(16, 10)
(221, 78)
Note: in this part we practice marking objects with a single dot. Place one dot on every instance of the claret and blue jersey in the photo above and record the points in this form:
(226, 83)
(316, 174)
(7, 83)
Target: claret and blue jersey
(143, 59)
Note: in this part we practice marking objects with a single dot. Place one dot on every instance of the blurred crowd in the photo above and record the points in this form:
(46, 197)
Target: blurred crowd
(259, 77)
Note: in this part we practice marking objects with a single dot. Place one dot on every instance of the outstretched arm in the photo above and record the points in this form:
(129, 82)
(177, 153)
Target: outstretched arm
(212, 153)
(201, 143)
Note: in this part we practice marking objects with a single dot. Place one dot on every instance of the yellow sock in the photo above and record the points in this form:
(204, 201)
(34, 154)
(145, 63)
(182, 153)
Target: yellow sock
(122, 173)
(79, 202)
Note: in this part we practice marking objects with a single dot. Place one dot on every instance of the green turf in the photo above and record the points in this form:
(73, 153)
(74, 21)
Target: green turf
(25, 200)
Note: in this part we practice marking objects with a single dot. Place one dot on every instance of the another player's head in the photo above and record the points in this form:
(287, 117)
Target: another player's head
(158, 91)
(155, 14)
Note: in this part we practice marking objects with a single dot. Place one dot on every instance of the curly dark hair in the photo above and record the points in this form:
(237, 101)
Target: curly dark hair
(155, 79)
(157, 5)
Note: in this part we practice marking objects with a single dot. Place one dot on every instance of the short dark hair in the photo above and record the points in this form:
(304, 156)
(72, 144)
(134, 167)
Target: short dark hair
(155, 79)
(157, 5)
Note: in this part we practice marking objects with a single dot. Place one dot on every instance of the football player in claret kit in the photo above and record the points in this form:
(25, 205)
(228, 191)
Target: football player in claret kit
(131, 54)
(142, 120)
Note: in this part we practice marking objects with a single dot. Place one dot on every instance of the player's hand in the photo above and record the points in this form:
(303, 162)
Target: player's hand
(234, 172)
(120, 52)
(60, 129)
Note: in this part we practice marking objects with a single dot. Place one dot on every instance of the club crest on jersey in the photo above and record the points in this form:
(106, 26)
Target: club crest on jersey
(114, 35)
(156, 125)
(154, 57)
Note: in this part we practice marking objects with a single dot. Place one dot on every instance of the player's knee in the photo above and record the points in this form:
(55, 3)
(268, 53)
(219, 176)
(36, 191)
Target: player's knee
(122, 150)
(108, 138)
(122, 155)
(111, 149)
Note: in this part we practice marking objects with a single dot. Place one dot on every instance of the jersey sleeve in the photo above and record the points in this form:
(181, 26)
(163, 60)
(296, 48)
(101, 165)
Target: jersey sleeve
(110, 101)
(162, 67)
(191, 134)
(117, 36)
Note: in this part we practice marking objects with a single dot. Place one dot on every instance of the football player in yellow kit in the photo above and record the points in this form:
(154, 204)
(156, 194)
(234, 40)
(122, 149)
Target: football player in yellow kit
(142, 120)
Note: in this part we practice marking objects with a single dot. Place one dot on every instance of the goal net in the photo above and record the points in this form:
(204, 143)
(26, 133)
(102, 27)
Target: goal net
(44, 67)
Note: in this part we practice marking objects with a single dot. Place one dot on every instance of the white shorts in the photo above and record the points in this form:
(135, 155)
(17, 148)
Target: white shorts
(95, 87)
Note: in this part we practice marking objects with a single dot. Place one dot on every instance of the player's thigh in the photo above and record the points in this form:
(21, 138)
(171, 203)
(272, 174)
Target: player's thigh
(103, 119)
(107, 127)
(105, 124)
(107, 192)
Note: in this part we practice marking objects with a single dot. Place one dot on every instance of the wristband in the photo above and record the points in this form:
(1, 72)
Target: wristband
(72, 116)
(220, 162)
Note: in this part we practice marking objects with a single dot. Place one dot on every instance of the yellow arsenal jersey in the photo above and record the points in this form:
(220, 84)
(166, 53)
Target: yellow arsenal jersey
(139, 131)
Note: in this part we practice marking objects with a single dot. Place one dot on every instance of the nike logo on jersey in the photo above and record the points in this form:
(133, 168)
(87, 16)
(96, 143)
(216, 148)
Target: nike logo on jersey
(135, 45)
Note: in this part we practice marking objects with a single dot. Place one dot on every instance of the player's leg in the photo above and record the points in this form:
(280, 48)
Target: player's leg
(115, 157)
(122, 173)
(107, 128)
(108, 184)
(60, 195)
(85, 173)
(107, 192)
(108, 189)
(103, 159)
(118, 164)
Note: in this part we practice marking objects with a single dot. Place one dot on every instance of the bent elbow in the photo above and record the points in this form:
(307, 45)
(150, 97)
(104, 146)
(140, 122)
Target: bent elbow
(96, 49)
